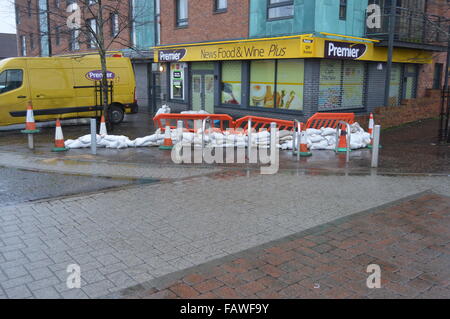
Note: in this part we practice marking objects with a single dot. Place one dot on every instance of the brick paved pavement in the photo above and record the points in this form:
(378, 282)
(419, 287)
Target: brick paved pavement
(410, 241)
(130, 236)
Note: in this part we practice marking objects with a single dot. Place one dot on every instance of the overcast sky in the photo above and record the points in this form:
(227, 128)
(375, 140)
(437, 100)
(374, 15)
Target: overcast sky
(7, 20)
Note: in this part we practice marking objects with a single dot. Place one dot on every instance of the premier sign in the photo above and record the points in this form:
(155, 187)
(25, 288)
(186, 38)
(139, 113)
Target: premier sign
(344, 50)
(171, 55)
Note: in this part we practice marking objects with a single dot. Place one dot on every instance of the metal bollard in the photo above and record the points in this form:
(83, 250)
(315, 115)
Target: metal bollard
(273, 127)
(376, 145)
(249, 133)
(30, 141)
(179, 131)
(94, 136)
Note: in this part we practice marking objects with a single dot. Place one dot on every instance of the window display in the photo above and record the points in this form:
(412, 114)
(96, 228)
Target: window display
(231, 82)
(262, 83)
(290, 78)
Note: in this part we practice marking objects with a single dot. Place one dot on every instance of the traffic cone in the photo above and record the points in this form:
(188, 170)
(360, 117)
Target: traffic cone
(103, 131)
(30, 125)
(59, 139)
(168, 144)
(371, 126)
(342, 146)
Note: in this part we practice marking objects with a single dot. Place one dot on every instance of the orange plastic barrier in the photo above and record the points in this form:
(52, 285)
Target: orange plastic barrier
(320, 120)
(191, 122)
(263, 123)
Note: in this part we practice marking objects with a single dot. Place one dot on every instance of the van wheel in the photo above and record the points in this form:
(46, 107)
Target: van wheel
(116, 114)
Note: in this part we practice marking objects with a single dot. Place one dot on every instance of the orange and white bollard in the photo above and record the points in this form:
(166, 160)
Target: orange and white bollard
(103, 131)
(168, 143)
(30, 126)
(59, 139)
(371, 126)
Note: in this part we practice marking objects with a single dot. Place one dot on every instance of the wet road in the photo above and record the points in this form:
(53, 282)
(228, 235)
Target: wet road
(18, 186)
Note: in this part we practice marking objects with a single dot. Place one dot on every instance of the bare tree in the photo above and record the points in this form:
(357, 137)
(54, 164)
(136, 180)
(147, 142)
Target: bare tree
(97, 25)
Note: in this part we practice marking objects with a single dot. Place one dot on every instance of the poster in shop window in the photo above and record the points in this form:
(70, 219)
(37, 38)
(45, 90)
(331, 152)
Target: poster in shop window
(330, 85)
(353, 85)
(289, 95)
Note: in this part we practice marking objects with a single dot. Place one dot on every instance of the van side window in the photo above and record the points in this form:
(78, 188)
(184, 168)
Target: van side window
(10, 80)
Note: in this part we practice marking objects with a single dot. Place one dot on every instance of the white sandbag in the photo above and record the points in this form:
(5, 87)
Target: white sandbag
(313, 131)
(327, 131)
(316, 138)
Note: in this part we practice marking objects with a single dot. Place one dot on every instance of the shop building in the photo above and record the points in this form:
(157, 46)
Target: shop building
(287, 77)
(293, 63)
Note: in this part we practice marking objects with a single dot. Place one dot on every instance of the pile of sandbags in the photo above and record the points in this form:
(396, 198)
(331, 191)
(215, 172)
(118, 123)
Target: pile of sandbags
(323, 139)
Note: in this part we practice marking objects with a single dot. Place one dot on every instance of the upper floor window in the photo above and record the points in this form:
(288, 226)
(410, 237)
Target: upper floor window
(92, 23)
(342, 9)
(220, 5)
(182, 13)
(57, 35)
(31, 41)
(74, 43)
(29, 8)
(280, 9)
(114, 24)
(23, 45)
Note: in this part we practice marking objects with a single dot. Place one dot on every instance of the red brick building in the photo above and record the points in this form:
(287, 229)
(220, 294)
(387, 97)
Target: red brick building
(432, 76)
(34, 28)
(205, 22)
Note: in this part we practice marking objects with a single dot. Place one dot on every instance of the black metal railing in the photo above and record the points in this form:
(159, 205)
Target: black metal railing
(413, 27)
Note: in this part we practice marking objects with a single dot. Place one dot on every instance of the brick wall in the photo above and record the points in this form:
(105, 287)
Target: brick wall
(410, 110)
(29, 27)
(204, 24)
(426, 72)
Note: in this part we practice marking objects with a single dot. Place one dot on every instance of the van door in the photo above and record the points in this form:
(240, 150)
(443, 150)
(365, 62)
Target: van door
(13, 97)
(52, 89)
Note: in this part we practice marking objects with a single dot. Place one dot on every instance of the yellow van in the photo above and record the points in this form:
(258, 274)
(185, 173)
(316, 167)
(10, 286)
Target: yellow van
(64, 87)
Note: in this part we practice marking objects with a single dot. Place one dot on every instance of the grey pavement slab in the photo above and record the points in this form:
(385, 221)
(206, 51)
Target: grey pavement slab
(130, 236)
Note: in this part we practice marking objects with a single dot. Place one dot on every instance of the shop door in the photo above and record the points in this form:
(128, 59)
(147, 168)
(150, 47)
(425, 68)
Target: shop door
(203, 91)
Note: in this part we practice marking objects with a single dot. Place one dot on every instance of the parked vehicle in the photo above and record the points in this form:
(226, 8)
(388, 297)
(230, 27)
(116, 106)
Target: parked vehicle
(65, 87)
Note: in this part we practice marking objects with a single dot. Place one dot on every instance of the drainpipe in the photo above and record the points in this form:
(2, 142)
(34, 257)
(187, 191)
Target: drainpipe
(49, 38)
(444, 116)
(392, 21)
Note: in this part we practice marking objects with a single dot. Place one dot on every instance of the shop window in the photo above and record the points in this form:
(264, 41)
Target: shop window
(280, 9)
(182, 13)
(353, 85)
(10, 80)
(290, 78)
(341, 85)
(262, 83)
(277, 84)
(177, 81)
(410, 81)
(394, 89)
(231, 82)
